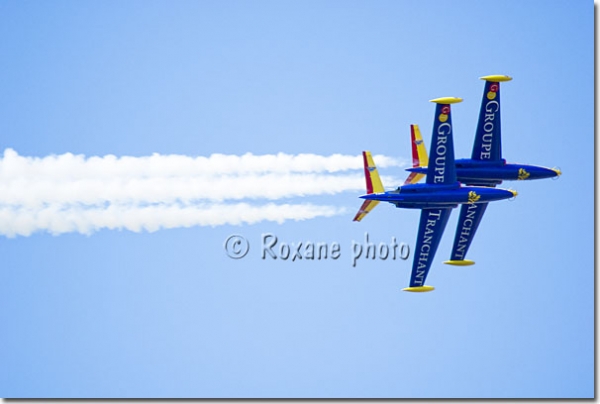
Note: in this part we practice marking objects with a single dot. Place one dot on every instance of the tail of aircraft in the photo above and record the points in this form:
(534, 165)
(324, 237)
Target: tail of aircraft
(419, 154)
(374, 186)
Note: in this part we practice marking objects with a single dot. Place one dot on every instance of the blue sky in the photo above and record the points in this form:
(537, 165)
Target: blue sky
(119, 313)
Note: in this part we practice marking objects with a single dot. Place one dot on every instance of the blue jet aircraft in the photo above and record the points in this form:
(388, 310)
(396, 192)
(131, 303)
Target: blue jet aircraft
(486, 167)
(436, 198)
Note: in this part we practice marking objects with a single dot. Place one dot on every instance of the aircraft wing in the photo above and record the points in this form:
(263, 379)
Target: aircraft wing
(488, 140)
(487, 147)
(431, 227)
(441, 167)
(468, 222)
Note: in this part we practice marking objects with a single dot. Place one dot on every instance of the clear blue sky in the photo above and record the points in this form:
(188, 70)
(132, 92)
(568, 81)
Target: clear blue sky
(168, 314)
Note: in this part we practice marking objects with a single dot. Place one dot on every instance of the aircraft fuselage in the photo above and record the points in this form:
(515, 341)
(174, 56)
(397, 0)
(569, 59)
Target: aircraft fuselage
(426, 196)
(492, 173)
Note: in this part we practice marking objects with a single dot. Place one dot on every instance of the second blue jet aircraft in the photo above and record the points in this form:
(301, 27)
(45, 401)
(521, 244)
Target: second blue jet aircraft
(486, 167)
(436, 198)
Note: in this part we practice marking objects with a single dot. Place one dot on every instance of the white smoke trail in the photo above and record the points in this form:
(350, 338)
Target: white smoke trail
(33, 192)
(62, 193)
(72, 167)
(58, 220)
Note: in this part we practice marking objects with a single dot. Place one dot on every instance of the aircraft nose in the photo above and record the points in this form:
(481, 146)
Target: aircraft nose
(512, 191)
(557, 171)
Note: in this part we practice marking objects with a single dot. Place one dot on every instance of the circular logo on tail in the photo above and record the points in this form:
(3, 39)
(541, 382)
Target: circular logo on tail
(491, 95)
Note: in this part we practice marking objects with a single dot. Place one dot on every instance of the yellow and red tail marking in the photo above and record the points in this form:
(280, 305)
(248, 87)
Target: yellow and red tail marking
(366, 207)
(374, 185)
(413, 178)
(419, 154)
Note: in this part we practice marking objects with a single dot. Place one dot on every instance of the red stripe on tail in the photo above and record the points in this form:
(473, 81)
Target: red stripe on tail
(413, 142)
(367, 174)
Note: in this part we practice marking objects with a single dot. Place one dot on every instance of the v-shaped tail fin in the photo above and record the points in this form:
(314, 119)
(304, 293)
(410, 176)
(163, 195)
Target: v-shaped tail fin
(374, 186)
(419, 154)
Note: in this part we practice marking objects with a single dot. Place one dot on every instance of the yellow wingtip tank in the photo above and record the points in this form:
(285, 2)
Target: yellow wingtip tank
(496, 78)
(424, 288)
(461, 263)
(446, 100)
